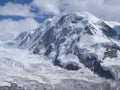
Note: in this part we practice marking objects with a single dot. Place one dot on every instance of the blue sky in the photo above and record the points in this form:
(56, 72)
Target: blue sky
(19, 17)
(23, 15)
(3, 2)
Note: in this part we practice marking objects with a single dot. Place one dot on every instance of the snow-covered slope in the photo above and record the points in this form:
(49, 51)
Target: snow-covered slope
(30, 71)
(72, 46)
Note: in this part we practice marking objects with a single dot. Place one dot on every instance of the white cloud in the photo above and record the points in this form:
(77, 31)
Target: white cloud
(47, 6)
(107, 9)
(16, 9)
(9, 28)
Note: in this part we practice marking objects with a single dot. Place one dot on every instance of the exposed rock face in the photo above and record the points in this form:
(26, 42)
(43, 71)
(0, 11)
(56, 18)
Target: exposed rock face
(12, 87)
(111, 51)
(68, 66)
(92, 63)
(82, 85)
(108, 31)
(32, 87)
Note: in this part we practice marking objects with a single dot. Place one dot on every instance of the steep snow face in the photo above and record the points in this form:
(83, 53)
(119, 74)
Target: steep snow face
(115, 25)
(73, 40)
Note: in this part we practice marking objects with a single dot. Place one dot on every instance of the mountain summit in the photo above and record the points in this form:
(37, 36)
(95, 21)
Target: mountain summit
(74, 42)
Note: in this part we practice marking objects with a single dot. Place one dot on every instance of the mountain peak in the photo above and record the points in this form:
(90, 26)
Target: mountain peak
(86, 15)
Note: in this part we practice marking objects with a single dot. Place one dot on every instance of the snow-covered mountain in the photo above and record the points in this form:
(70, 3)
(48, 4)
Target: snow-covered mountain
(73, 39)
(74, 46)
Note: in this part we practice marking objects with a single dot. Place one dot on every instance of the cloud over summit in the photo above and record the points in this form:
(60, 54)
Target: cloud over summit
(31, 9)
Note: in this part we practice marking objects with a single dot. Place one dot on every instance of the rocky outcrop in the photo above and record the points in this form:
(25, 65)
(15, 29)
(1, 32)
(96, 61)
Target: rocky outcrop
(13, 86)
(66, 84)
(72, 84)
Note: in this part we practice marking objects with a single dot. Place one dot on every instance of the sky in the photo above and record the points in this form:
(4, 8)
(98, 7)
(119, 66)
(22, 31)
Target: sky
(17, 16)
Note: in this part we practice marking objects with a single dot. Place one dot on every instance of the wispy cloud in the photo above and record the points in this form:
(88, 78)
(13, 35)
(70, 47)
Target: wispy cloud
(9, 28)
(13, 9)
(107, 9)
(47, 6)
